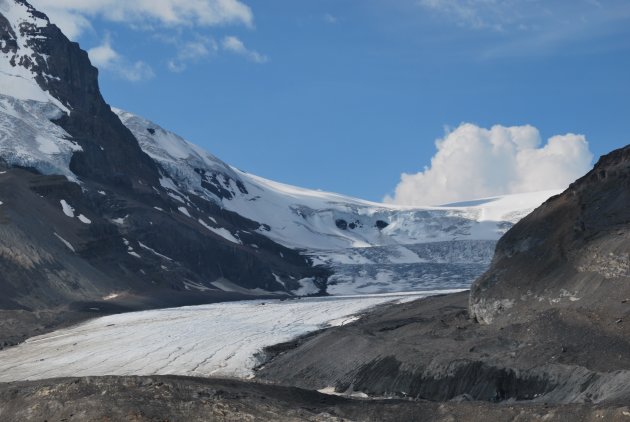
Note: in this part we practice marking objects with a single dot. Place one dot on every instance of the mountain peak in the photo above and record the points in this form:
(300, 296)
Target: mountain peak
(22, 66)
(40, 65)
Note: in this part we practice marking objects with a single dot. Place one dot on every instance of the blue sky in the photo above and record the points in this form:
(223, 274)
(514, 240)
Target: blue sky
(345, 95)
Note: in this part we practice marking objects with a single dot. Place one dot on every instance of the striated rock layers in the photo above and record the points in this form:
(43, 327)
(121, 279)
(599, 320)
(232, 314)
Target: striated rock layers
(573, 251)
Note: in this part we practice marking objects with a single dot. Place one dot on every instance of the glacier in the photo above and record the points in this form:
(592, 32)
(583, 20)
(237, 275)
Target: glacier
(371, 247)
(193, 341)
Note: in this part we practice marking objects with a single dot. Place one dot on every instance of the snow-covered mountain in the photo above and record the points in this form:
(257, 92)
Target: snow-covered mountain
(23, 66)
(85, 224)
(27, 110)
(170, 214)
(308, 219)
(372, 247)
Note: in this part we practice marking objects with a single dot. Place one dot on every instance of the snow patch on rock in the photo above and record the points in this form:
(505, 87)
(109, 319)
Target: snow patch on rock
(84, 219)
(28, 137)
(67, 209)
(65, 242)
(184, 211)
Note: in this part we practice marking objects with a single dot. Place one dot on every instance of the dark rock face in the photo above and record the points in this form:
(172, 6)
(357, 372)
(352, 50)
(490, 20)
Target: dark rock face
(140, 244)
(573, 251)
(138, 247)
(380, 224)
(212, 182)
(110, 153)
(344, 225)
(431, 349)
(341, 224)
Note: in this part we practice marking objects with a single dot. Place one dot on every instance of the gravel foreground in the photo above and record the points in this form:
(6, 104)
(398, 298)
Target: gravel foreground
(169, 398)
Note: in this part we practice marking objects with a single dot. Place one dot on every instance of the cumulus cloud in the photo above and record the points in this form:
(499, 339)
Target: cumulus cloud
(71, 15)
(236, 46)
(105, 57)
(473, 162)
(176, 20)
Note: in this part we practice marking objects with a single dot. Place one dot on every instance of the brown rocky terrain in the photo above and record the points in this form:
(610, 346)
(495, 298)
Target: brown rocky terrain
(548, 322)
(187, 399)
(573, 252)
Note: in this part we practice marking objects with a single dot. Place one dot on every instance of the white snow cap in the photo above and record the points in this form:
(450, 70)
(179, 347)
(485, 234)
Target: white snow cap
(316, 220)
(28, 137)
(17, 78)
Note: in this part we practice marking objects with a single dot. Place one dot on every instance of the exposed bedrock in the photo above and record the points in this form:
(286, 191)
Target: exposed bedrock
(431, 349)
(572, 252)
(547, 322)
(113, 252)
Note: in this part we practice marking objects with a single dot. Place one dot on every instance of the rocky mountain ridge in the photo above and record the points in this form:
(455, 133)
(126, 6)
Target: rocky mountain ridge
(370, 247)
(85, 224)
(570, 252)
(148, 212)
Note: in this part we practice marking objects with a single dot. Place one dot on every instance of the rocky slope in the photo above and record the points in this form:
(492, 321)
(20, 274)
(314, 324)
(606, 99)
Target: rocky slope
(572, 252)
(431, 349)
(67, 250)
(546, 323)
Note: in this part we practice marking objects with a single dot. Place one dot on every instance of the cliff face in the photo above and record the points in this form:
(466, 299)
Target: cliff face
(573, 251)
(110, 153)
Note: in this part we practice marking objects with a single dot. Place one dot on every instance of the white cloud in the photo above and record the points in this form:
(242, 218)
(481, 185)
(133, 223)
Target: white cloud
(474, 13)
(191, 51)
(503, 15)
(172, 19)
(331, 19)
(473, 162)
(175, 66)
(136, 71)
(105, 57)
(236, 46)
(71, 24)
(546, 18)
(71, 15)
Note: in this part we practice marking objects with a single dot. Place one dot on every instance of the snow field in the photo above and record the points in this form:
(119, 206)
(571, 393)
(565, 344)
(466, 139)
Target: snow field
(218, 340)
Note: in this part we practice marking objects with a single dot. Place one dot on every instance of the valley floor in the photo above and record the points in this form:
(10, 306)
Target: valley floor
(415, 359)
